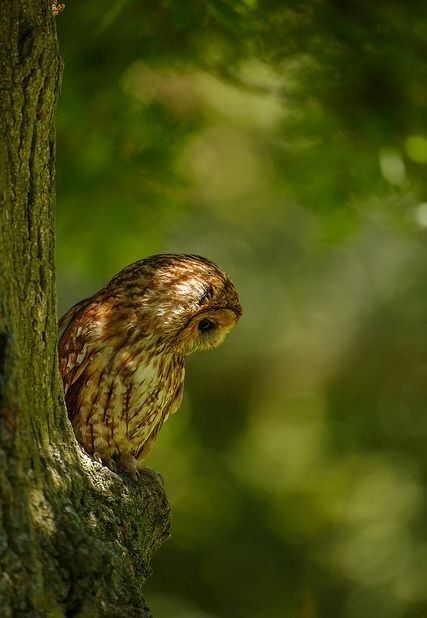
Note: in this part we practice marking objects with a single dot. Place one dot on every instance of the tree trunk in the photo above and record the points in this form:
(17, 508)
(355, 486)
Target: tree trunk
(75, 538)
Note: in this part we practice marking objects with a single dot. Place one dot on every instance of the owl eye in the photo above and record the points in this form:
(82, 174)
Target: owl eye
(206, 325)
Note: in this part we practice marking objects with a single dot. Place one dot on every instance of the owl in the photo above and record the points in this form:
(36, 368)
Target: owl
(122, 351)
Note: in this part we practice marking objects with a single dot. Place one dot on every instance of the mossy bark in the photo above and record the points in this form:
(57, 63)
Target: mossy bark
(75, 539)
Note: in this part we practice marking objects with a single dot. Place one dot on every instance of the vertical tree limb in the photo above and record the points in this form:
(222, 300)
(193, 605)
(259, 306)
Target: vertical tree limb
(75, 539)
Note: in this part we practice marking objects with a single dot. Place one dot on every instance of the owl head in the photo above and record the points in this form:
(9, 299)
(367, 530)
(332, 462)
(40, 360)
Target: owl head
(182, 303)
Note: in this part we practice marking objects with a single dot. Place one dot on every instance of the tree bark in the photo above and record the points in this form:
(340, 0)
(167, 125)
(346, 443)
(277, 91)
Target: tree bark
(75, 538)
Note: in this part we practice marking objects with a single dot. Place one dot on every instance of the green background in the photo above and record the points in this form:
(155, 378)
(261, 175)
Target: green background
(287, 142)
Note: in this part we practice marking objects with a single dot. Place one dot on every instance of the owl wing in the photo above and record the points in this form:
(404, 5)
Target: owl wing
(68, 317)
(73, 346)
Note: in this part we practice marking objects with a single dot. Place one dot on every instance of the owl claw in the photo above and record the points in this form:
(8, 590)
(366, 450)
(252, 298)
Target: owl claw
(129, 465)
(134, 474)
(97, 457)
(133, 468)
(109, 463)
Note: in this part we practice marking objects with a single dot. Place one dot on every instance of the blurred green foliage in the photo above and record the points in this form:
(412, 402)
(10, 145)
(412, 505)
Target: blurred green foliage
(287, 142)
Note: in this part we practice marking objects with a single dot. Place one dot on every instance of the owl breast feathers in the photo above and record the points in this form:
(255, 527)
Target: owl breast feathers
(122, 351)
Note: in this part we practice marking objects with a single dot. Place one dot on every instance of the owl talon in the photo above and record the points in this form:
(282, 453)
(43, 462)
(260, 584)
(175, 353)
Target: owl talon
(109, 463)
(133, 468)
(129, 465)
(134, 475)
(97, 458)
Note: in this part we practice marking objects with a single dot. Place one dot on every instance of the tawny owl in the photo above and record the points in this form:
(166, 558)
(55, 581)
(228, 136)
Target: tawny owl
(122, 351)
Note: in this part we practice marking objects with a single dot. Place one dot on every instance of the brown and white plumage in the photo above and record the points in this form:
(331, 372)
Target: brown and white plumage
(122, 351)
